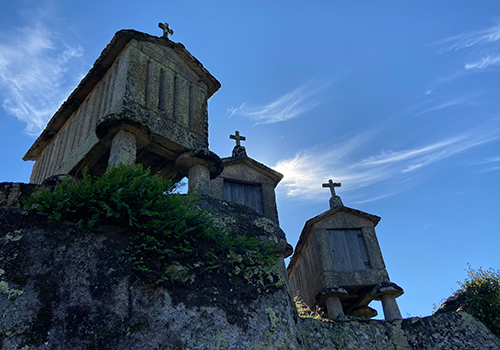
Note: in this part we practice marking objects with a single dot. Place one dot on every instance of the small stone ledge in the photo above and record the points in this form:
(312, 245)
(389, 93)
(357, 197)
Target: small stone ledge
(12, 193)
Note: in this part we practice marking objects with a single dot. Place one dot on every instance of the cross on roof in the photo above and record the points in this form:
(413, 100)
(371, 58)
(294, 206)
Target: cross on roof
(237, 137)
(332, 186)
(166, 29)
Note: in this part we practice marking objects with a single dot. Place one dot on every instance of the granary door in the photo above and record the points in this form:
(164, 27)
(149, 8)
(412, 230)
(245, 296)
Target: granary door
(243, 193)
(348, 250)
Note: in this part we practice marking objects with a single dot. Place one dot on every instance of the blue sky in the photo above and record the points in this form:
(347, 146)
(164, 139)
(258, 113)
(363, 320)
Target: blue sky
(396, 100)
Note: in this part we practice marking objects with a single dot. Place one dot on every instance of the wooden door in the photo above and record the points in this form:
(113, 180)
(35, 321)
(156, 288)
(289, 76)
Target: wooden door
(348, 250)
(243, 193)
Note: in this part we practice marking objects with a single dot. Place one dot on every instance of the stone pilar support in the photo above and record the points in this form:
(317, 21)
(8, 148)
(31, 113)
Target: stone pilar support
(200, 166)
(123, 149)
(391, 308)
(387, 292)
(334, 308)
(124, 135)
(199, 179)
(332, 297)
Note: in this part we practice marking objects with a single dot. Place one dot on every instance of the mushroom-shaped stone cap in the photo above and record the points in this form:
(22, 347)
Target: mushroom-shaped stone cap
(364, 311)
(329, 292)
(386, 288)
(108, 126)
(201, 156)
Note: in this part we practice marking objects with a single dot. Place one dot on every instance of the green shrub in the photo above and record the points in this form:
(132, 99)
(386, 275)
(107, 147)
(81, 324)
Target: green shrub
(481, 296)
(170, 229)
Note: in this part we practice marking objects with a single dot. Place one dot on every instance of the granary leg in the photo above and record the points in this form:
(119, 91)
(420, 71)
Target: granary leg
(387, 292)
(332, 296)
(200, 166)
(123, 149)
(391, 309)
(199, 179)
(334, 308)
(124, 135)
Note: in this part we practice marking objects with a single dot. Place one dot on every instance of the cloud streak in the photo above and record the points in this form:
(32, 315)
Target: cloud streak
(34, 68)
(489, 39)
(436, 103)
(289, 106)
(374, 177)
(484, 62)
(467, 40)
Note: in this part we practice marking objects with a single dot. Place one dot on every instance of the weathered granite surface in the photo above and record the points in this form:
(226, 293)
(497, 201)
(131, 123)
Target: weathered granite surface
(12, 192)
(456, 330)
(66, 288)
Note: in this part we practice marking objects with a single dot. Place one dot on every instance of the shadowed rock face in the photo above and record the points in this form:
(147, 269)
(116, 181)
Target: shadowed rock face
(66, 288)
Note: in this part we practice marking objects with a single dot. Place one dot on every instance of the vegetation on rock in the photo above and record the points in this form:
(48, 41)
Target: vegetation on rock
(305, 311)
(479, 295)
(173, 238)
(482, 295)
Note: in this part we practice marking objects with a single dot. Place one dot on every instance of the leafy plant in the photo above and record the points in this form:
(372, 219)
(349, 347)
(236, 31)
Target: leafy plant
(481, 291)
(305, 311)
(170, 228)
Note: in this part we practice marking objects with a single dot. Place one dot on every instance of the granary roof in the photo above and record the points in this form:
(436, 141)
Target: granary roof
(97, 72)
(252, 163)
(306, 231)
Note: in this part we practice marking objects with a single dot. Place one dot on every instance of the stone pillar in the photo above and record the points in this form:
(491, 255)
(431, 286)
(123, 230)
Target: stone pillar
(124, 135)
(387, 292)
(390, 306)
(331, 298)
(334, 308)
(123, 149)
(199, 178)
(200, 166)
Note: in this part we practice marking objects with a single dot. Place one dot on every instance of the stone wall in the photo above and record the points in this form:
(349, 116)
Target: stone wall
(66, 288)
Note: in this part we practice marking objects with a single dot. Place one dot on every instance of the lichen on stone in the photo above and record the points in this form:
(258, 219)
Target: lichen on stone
(13, 238)
(266, 224)
(222, 342)
(224, 221)
(274, 319)
(11, 293)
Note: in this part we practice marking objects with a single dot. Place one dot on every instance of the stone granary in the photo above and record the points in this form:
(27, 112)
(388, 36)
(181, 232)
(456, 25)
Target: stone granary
(247, 181)
(144, 101)
(338, 264)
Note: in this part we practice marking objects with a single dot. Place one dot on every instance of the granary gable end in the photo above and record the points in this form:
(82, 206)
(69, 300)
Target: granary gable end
(247, 181)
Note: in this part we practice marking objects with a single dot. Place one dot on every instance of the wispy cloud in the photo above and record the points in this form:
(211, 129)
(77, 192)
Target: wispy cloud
(34, 67)
(436, 103)
(484, 62)
(487, 161)
(370, 178)
(441, 105)
(467, 40)
(290, 105)
(492, 164)
(488, 40)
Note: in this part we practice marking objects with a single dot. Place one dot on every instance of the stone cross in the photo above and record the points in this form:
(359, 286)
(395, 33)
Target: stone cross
(238, 138)
(166, 29)
(332, 186)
